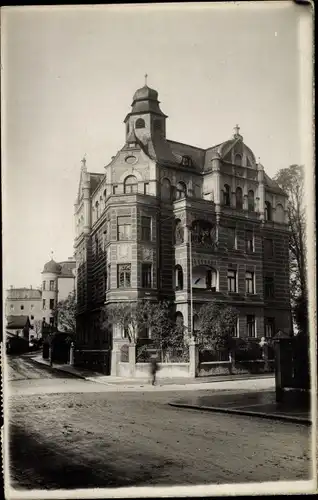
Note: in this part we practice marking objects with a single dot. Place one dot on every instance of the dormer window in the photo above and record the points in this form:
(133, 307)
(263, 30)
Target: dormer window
(140, 123)
(186, 161)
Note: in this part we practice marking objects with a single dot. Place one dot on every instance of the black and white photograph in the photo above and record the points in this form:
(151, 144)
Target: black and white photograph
(158, 217)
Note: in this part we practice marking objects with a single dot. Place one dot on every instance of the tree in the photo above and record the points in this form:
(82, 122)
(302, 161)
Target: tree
(215, 327)
(65, 313)
(37, 328)
(130, 316)
(291, 180)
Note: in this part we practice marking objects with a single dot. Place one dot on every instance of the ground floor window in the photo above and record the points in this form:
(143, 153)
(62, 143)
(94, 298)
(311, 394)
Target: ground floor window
(269, 327)
(250, 325)
(146, 275)
(235, 329)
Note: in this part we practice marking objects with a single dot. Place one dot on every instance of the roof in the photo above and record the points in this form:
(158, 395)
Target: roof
(145, 100)
(52, 267)
(273, 185)
(24, 293)
(145, 92)
(14, 322)
(67, 268)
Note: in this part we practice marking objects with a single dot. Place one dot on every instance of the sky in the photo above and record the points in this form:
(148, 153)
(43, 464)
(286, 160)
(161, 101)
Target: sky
(68, 77)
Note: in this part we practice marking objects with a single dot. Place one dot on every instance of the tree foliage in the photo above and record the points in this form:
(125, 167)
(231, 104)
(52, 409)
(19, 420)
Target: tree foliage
(291, 180)
(215, 326)
(65, 313)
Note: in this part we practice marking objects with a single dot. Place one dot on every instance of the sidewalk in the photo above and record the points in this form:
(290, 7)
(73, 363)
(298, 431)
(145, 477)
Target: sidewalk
(256, 404)
(267, 380)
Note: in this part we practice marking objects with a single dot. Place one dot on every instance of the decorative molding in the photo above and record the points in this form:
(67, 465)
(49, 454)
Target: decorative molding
(131, 159)
(147, 254)
(123, 252)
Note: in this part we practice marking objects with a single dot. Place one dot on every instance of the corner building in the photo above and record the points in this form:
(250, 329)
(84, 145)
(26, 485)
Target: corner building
(135, 220)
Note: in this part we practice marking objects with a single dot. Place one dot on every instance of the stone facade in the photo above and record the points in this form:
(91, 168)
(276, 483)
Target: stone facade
(157, 202)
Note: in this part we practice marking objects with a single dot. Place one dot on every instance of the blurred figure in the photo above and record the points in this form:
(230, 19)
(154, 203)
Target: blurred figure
(154, 367)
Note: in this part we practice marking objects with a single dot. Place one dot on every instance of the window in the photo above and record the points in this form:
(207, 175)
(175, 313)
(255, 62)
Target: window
(268, 247)
(140, 123)
(124, 228)
(105, 196)
(238, 159)
(130, 185)
(249, 241)
(181, 191)
(250, 325)
(43, 285)
(108, 277)
(239, 198)
(51, 304)
(269, 287)
(115, 188)
(104, 240)
(146, 228)
(97, 209)
(127, 128)
(96, 246)
(124, 275)
(179, 277)
(235, 329)
(32, 317)
(186, 161)
(211, 280)
(231, 237)
(146, 275)
(43, 319)
(250, 201)
(268, 211)
(11, 307)
(226, 195)
(32, 307)
(146, 188)
(51, 285)
(51, 321)
(231, 281)
(21, 307)
(157, 125)
(43, 303)
(280, 214)
(269, 327)
(249, 282)
(166, 189)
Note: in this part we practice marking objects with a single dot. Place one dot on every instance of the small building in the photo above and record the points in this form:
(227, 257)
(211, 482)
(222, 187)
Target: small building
(18, 326)
(24, 301)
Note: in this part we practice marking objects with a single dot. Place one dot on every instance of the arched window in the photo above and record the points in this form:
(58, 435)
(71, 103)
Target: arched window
(105, 196)
(140, 123)
(268, 210)
(97, 209)
(166, 189)
(226, 195)
(280, 214)
(179, 232)
(179, 320)
(238, 159)
(179, 277)
(250, 201)
(239, 198)
(130, 184)
(181, 191)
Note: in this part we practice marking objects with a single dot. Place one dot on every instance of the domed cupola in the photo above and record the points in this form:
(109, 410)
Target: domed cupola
(52, 267)
(146, 117)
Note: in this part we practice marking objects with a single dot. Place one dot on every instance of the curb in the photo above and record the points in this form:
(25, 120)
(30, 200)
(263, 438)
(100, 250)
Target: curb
(271, 416)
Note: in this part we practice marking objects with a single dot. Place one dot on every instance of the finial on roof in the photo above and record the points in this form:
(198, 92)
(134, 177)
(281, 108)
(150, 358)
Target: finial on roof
(52, 253)
(146, 76)
(237, 130)
(83, 162)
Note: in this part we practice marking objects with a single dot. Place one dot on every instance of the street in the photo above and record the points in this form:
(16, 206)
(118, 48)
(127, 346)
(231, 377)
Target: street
(70, 433)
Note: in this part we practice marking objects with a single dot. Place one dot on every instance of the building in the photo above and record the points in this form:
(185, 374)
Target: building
(157, 202)
(24, 302)
(58, 281)
(18, 326)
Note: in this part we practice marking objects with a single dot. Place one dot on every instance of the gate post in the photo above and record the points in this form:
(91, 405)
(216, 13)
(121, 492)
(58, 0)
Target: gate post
(72, 348)
(132, 359)
(193, 359)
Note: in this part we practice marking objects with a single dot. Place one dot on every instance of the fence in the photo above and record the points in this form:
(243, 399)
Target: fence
(169, 355)
(96, 360)
(209, 356)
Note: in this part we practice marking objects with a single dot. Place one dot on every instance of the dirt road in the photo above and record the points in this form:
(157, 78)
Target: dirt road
(103, 439)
